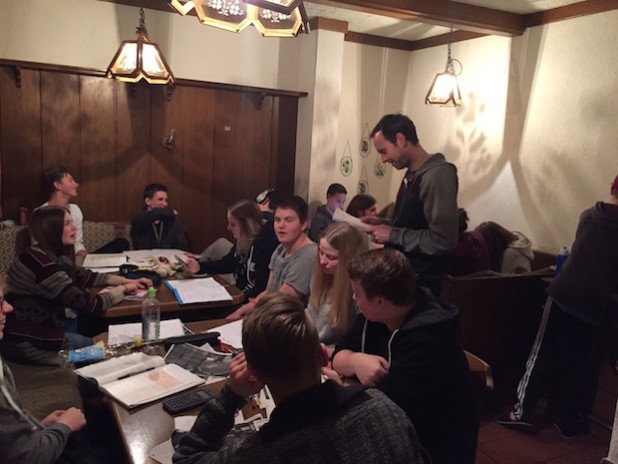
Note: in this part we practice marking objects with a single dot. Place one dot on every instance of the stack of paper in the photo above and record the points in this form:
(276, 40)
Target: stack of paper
(125, 333)
(104, 262)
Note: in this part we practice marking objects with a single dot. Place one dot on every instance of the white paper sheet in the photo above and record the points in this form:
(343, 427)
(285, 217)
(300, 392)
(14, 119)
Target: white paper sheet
(341, 216)
(101, 260)
(230, 334)
(198, 290)
(124, 333)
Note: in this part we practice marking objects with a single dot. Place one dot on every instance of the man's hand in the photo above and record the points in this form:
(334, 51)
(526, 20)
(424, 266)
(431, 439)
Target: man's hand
(73, 418)
(369, 369)
(380, 233)
(53, 417)
(371, 220)
(142, 283)
(241, 381)
(130, 287)
(332, 374)
(191, 266)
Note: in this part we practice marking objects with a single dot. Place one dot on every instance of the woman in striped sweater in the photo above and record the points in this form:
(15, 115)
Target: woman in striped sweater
(44, 281)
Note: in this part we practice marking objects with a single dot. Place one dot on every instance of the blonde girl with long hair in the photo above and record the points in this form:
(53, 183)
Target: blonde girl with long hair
(249, 257)
(331, 305)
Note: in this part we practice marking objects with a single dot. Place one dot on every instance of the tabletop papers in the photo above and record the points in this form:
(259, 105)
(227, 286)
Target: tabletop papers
(124, 333)
(198, 290)
(230, 334)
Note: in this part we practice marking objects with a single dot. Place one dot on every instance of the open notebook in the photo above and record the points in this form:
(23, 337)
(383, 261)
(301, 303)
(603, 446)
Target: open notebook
(138, 378)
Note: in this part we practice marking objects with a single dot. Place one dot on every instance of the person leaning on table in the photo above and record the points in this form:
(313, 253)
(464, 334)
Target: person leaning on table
(44, 280)
(313, 422)
(23, 439)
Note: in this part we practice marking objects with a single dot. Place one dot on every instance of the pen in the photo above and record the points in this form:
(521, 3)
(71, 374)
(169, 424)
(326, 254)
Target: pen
(131, 374)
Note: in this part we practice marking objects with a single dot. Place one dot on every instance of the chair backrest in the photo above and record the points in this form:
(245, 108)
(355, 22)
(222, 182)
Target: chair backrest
(482, 377)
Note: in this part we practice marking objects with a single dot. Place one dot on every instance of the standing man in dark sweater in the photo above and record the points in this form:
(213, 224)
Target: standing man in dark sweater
(157, 226)
(579, 297)
(424, 224)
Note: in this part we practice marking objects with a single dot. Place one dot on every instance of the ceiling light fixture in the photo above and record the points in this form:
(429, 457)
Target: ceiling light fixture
(140, 59)
(444, 90)
(272, 18)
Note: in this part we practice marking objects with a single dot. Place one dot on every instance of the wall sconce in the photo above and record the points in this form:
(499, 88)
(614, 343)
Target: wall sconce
(140, 59)
(170, 141)
(444, 90)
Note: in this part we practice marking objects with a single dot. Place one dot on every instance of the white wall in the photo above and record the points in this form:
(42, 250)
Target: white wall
(535, 142)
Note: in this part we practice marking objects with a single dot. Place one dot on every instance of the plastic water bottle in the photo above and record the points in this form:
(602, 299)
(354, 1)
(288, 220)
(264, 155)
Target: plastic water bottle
(151, 316)
(82, 355)
(561, 258)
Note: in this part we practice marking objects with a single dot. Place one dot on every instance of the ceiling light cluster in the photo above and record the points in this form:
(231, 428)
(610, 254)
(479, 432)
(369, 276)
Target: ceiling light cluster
(272, 18)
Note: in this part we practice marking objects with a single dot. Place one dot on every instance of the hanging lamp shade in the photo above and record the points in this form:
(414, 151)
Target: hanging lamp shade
(140, 59)
(230, 15)
(272, 23)
(444, 90)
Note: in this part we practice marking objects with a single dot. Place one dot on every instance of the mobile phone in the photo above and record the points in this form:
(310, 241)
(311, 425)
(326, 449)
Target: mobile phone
(186, 401)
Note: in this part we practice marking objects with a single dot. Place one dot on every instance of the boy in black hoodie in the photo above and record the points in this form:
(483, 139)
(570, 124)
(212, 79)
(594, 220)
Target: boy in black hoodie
(404, 342)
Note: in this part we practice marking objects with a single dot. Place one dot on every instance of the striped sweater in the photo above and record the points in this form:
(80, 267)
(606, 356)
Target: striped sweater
(39, 288)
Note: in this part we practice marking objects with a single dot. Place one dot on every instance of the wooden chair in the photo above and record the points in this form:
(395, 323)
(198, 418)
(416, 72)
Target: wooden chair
(482, 378)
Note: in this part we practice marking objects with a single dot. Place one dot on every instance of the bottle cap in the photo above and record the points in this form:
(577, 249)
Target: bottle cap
(152, 292)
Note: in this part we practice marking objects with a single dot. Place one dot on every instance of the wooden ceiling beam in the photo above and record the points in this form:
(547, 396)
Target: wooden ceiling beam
(440, 12)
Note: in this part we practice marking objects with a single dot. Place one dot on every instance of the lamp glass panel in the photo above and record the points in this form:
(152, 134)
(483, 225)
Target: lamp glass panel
(273, 24)
(444, 91)
(127, 60)
(151, 61)
(234, 23)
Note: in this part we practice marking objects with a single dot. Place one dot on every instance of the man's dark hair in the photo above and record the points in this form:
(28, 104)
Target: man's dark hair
(280, 341)
(296, 204)
(153, 188)
(386, 273)
(51, 176)
(392, 124)
(335, 189)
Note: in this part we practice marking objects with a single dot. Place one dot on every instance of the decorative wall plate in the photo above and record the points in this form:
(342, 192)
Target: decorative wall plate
(346, 163)
(379, 169)
(365, 144)
(363, 183)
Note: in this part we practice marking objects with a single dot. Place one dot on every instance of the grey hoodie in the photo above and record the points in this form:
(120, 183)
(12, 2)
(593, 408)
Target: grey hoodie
(517, 258)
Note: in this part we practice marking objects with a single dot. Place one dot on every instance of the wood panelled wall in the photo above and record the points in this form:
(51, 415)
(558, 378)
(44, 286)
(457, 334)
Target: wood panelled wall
(230, 144)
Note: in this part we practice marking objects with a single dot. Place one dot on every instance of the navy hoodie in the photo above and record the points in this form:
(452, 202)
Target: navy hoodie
(428, 376)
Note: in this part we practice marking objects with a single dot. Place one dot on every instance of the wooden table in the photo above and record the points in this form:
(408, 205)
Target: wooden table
(145, 427)
(169, 303)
